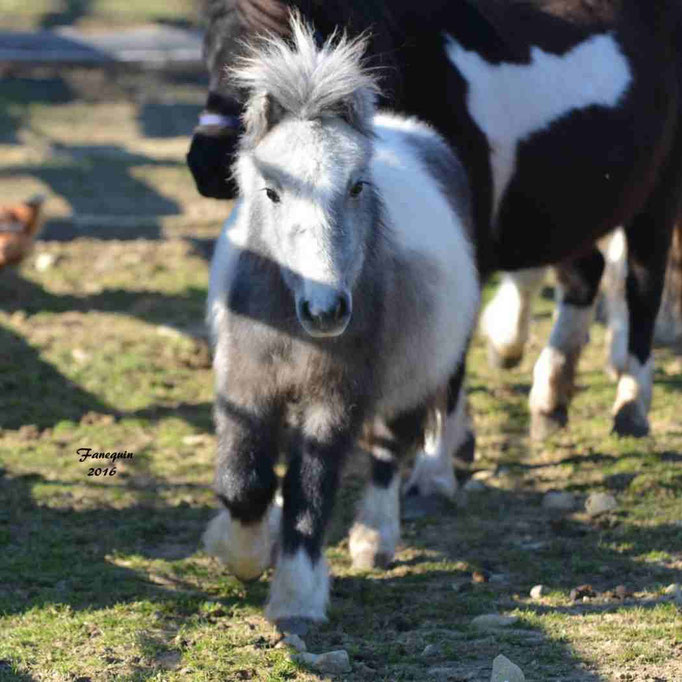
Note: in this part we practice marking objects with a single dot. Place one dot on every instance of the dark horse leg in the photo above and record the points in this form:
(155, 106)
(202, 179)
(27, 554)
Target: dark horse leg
(244, 535)
(300, 586)
(649, 236)
(376, 531)
(554, 371)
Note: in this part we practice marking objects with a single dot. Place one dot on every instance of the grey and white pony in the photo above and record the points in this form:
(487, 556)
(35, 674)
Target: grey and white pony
(343, 293)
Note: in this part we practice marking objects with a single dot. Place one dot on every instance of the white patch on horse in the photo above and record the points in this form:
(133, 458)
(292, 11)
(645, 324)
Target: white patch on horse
(299, 588)
(246, 549)
(433, 472)
(554, 371)
(635, 385)
(511, 102)
(614, 249)
(506, 319)
(409, 193)
(376, 531)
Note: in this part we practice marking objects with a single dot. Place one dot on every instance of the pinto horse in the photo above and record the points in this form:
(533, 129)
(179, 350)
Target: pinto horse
(566, 117)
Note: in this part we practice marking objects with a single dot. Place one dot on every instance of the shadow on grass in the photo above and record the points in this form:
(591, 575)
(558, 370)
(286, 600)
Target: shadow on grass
(26, 380)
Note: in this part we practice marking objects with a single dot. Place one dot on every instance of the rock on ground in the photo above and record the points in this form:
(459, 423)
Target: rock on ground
(538, 592)
(506, 671)
(559, 501)
(600, 503)
(331, 663)
(490, 621)
(292, 641)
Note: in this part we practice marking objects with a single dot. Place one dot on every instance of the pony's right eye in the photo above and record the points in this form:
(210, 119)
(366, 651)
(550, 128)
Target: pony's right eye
(272, 195)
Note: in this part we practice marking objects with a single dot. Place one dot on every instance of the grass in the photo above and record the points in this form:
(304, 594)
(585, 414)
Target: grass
(101, 577)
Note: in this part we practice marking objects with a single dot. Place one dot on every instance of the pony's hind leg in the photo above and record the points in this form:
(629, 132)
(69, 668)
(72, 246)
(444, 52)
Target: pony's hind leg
(375, 534)
(300, 586)
(554, 371)
(449, 441)
(244, 534)
(506, 319)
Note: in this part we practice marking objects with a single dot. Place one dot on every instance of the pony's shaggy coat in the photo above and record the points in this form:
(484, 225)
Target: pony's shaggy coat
(401, 246)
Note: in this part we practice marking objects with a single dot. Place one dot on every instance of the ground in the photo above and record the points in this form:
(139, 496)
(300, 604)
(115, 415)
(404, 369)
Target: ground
(101, 576)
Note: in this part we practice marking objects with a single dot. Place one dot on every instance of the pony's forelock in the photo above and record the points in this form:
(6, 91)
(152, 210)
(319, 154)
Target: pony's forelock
(298, 78)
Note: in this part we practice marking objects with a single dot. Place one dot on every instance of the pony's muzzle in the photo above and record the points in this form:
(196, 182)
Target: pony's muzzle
(327, 317)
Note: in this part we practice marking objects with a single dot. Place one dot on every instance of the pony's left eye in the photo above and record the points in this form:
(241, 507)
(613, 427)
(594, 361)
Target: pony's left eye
(356, 189)
(272, 195)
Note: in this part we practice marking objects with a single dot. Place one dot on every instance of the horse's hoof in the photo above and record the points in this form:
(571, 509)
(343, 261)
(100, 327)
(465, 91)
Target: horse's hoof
(545, 424)
(629, 421)
(498, 360)
(293, 626)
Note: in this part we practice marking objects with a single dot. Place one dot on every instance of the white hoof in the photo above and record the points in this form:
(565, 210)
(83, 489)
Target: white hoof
(432, 476)
(246, 549)
(299, 589)
(376, 532)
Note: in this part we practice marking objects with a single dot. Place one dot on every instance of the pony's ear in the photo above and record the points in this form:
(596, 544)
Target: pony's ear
(260, 116)
(359, 110)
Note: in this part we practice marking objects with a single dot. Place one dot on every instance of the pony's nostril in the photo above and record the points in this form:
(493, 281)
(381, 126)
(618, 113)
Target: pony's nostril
(305, 311)
(341, 309)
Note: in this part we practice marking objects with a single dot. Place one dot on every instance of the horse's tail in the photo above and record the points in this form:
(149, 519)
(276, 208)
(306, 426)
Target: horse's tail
(669, 323)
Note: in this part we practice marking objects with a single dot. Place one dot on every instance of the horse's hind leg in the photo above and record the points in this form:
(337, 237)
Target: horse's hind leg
(506, 319)
(554, 371)
(300, 586)
(376, 531)
(648, 242)
(244, 534)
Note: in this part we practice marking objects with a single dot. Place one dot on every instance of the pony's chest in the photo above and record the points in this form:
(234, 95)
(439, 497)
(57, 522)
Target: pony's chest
(512, 102)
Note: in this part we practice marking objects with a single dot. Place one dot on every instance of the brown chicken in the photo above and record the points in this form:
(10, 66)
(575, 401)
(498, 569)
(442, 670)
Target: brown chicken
(19, 225)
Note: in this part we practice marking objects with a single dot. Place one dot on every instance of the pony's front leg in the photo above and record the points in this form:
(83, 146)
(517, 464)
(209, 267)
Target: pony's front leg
(300, 586)
(244, 534)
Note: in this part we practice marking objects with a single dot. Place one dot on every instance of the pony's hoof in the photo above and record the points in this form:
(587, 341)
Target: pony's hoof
(293, 626)
(499, 360)
(545, 424)
(629, 421)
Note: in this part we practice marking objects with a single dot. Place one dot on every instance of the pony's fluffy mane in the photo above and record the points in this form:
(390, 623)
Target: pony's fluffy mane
(297, 78)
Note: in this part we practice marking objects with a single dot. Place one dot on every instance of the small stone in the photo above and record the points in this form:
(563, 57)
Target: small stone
(443, 673)
(431, 651)
(80, 356)
(559, 501)
(600, 503)
(506, 671)
(330, 663)
(538, 592)
(480, 577)
(675, 592)
(292, 642)
(582, 593)
(491, 621)
(44, 261)
(196, 439)
(622, 592)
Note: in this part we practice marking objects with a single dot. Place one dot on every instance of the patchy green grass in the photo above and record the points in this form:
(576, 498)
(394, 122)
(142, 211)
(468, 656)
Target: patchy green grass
(101, 577)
